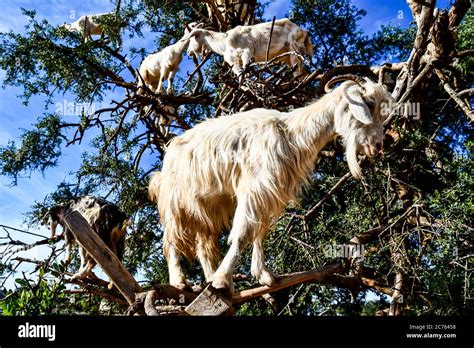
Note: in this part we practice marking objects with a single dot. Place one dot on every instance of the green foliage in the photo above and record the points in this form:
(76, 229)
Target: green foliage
(392, 43)
(40, 297)
(449, 256)
(39, 149)
(465, 42)
(332, 26)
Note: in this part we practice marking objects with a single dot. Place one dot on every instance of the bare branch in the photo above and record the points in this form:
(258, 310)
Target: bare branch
(454, 95)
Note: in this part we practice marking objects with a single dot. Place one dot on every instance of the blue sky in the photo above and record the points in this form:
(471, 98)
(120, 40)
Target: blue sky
(14, 116)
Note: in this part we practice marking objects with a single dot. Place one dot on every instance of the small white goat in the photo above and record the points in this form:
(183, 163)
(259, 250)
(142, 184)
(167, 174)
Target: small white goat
(87, 25)
(247, 167)
(241, 44)
(161, 66)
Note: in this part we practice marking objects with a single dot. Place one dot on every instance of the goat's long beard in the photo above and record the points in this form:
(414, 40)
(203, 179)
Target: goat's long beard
(351, 156)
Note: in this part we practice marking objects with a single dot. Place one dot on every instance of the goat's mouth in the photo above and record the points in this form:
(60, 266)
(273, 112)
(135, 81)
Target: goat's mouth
(371, 150)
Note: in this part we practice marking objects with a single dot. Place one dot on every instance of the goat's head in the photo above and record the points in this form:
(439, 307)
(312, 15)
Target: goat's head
(362, 106)
(195, 48)
(53, 218)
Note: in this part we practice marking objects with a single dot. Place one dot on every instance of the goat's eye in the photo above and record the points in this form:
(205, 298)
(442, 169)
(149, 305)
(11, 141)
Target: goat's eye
(370, 104)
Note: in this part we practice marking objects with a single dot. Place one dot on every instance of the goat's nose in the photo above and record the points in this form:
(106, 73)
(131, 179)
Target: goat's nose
(378, 146)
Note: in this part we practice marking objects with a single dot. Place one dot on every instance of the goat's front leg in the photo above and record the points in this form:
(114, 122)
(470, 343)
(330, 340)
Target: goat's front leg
(159, 88)
(53, 225)
(239, 72)
(163, 122)
(67, 258)
(238, 68)
(240, 236)
(258, 269)
(68, 241)
(176, 274)
(169, 90)
(243, 64)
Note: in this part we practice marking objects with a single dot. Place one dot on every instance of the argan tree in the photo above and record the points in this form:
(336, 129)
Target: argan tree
(412, 212)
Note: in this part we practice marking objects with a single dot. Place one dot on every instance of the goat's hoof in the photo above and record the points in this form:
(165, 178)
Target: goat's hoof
(181, 286)
(92, 275)
(78, 276)
(267, 278)
(223, 292)
(223, 285)
(198, 288)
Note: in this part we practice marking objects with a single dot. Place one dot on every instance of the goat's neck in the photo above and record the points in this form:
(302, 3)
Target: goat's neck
(214, 41)
(181, 46)
(311, 127)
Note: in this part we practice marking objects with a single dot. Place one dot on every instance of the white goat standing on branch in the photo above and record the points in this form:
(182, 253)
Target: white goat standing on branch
(156, 68)
(87, 25)
(241, 44)
(247, 167)
(161, 66)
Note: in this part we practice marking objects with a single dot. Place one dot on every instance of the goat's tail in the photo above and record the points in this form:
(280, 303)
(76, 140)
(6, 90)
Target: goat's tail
(154, 186)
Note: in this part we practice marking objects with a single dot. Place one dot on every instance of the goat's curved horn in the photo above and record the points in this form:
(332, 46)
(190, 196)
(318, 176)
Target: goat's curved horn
(357, 79)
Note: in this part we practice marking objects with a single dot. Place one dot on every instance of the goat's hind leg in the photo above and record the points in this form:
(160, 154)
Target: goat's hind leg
(87, 264)
(241, 234)
(208, 252)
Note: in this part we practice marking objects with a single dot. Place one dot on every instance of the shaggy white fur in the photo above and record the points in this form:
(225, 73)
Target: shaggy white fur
(246, 168)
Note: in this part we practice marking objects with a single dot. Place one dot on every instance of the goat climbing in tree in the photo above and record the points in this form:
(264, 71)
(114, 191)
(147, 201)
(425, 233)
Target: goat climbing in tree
(163, 65)
(89, 25)
(241, 44)
(245, 168)
(105, 219)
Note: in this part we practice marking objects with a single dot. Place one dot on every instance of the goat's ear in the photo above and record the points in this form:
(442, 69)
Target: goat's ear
(358, 108)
